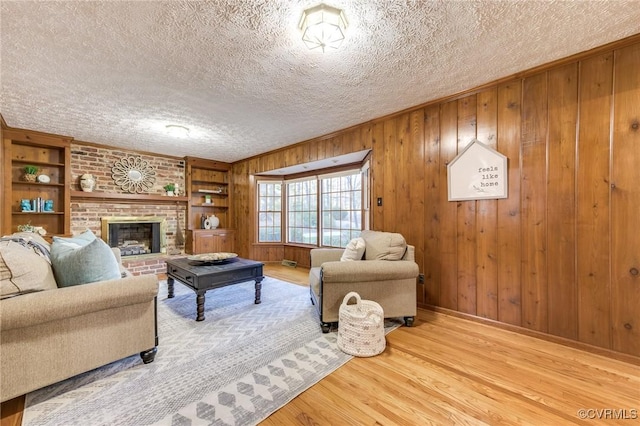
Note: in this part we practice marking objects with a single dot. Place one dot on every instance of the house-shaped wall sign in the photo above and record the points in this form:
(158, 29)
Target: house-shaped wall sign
(478, 172)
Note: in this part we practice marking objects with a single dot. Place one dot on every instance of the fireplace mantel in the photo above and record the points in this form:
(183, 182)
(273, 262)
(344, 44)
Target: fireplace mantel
(126, 198)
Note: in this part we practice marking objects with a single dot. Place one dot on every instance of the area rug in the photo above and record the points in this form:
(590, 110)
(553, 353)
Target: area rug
(239, 365)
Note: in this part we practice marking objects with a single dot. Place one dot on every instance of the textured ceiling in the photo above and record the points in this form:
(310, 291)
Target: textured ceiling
(238, 75)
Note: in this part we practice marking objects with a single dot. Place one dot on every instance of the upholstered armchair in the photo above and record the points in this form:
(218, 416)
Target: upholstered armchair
(379, 266)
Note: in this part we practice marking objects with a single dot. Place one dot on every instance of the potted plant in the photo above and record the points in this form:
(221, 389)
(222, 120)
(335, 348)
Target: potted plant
(170, 187)
(30, 173)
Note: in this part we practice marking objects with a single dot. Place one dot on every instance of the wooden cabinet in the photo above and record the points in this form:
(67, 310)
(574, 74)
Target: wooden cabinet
(209, 241)
(24, 200)
(209, 191)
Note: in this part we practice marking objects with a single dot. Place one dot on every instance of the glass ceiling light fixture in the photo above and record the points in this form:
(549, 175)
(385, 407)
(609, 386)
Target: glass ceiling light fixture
(177, 130)
(322, 27)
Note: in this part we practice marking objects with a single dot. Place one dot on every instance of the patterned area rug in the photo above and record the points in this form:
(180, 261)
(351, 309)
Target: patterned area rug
(239, 365)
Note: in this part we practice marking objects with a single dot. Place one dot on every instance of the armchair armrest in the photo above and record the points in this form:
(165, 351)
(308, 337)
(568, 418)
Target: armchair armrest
(322, 255)
(368, 270)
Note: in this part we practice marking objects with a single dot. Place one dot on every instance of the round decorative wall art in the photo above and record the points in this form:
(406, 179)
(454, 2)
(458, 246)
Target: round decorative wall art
(133, 175)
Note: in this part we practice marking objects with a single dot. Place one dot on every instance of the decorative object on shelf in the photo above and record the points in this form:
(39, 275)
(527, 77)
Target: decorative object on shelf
(133, 175)
(35, 205)
(26, 228)
(323, 26)
(30, 228)
(202, 219)
(87, 182)
(207, 199)
(48, 205)
(25, 205)
(170, 188)
(211, 222)
(44, 179)
(30, 173)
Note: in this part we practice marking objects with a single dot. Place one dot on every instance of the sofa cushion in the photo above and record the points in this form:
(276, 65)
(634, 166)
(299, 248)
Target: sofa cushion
(77, 261)
(354, 250)
(383, 245)
(22, 269)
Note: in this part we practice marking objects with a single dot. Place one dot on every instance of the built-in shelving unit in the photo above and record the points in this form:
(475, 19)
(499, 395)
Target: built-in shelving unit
(209, 192)
(51, 154)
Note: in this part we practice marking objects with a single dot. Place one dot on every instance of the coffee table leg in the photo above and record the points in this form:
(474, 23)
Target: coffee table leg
(200, 307)
(258, 288)
(170, 287)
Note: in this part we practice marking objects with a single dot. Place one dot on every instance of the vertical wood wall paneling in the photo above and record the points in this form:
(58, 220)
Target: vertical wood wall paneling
(625, 202)
(593, 217)
(402, 178)
(466, 216)
(509, 212)
(561, 211)
(298, 254)
(337, 146)
(448, 210)
(486, 214)
(534, 202)
(391, 164)
(432, 197)
(240, 178)
(414, 158)
(377, 173)
(562, 217)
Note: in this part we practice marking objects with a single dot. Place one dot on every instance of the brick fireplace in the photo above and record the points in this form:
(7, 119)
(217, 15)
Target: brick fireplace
(135, 236)
(89, 212)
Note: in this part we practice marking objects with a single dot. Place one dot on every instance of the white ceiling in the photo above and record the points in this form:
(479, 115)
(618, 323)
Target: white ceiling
(238, 75)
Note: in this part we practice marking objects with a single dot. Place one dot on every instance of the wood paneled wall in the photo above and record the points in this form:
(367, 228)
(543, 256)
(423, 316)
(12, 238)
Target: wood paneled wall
(560, 255)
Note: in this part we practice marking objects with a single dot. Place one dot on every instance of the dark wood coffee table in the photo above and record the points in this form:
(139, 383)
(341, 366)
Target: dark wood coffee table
(201, 277)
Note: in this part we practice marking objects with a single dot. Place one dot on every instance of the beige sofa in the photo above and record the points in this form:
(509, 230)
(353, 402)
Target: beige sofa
(377, 276)
(51, 335)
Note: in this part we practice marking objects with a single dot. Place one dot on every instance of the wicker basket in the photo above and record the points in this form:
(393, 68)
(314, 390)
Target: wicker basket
(361, 327)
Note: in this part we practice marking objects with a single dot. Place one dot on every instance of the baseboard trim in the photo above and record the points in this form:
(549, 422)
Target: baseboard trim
(630, 359)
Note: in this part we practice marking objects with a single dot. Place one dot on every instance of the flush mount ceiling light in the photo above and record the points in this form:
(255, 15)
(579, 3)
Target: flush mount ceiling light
(322, 27)
(177, 131)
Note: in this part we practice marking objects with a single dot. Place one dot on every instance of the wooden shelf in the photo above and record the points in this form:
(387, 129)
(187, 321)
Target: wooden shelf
(24, 182)
(31, 213)
(126, 198)
(37, 163)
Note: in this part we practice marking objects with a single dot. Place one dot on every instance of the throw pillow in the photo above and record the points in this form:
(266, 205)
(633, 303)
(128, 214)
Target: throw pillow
(75, 264)
(77, 240)
(354, 250)
(22, 270)
(384, 245)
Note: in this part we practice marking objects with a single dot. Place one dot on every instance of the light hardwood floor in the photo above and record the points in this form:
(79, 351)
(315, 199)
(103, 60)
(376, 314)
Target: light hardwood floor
(447, 370)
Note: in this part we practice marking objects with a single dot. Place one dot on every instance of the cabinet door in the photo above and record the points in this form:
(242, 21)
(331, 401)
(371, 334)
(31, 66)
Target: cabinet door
(225, 242)
(204, 243)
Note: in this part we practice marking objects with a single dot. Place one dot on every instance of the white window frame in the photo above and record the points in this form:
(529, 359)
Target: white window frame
(285, 237)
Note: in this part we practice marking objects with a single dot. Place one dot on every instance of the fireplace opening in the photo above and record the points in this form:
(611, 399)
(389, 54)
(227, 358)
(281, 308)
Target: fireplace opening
(134, 236)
